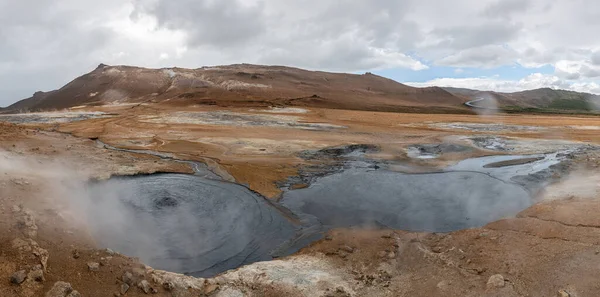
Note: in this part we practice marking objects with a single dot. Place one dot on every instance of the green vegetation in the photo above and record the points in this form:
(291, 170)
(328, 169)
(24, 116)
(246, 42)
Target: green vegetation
(519, 109)
(570, 104)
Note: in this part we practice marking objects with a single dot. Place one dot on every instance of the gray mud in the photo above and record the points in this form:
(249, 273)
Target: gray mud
(185, 223)
(432, 151)
(51, 118)
(438, 202)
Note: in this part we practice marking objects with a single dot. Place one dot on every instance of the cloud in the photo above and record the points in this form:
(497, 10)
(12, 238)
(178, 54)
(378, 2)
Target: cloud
(482, 57)
(533, 81)
(46, 43)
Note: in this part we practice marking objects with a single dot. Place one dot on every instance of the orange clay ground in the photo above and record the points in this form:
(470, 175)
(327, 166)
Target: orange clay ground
(550, 249)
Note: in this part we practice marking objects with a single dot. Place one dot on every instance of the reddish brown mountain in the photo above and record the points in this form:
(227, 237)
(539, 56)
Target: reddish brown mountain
(241, 85)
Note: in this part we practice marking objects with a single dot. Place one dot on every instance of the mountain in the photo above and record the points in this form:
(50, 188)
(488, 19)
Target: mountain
(537, 99)
(241, 85)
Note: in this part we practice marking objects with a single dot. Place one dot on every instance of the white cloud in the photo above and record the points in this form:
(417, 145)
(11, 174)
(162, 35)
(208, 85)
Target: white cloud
(533, 81)
(46, 43)
(482, 57)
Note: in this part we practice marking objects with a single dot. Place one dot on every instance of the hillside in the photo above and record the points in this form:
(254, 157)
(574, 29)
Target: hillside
(241, 85)
(537, 99)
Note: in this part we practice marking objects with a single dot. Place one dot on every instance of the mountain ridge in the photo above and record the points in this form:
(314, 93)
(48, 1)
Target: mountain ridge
(251, 85)
(239, 85)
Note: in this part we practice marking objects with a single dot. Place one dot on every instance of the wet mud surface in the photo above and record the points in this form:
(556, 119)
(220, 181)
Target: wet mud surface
(185, 223)
(438, 202)
(51, 117)
(200, 225)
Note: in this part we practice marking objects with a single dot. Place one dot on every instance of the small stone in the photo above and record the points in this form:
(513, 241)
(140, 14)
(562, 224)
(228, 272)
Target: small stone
(168, 286)
(127, 278)
(43, 255)
(75, 254)
(74, 294)
(110, 252)
(16, 208)
(382, 254)
(347, 248)
(18, 277)
(495, 281)
(209, 288)
(124, 288)
(436, 249)
(144, 285)
(93, 266)
(563, 293)
(387, 235)
(60, 289)
(328, 238)
(36, 275)
(391, 255)
(443, 285)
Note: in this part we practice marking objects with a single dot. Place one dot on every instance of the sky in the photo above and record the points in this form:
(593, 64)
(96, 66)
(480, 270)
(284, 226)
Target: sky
(501, 45)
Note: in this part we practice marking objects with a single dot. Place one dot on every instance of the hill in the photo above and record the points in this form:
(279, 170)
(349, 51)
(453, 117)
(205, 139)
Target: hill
(544, 99)
(241, 85)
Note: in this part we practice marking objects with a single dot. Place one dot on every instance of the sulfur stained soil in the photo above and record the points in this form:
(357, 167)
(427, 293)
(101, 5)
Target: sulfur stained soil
(551, 246)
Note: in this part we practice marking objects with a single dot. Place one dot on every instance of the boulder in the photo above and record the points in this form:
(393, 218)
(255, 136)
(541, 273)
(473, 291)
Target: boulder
(18, 277)
(93, 266)
(495, 281)
(60, 289)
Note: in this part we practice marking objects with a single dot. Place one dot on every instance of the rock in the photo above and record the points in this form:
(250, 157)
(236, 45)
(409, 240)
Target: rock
(391, 255)
(43, 255)
(127, 278)
(21, 245)
(110, 252)
(18, 277)
(443, 285)
(93, 266)
(495, 281)
(382, 254)
(124, 288)
(210, 288)
(60, 289)
(563, 293)
(138, 272)
(168, 286)
(16, 208)
(27, 223)
(387, 235)
(75, 254)
(144, 285)
(347, 248)
(36, 275)
(74, 294)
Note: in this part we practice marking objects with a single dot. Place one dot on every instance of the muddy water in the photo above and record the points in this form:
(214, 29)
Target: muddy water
(201, 225)
(437, 202)
(185, 223)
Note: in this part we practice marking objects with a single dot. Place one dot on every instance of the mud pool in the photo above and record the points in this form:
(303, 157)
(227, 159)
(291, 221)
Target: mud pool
(203, 226)
(185, 223)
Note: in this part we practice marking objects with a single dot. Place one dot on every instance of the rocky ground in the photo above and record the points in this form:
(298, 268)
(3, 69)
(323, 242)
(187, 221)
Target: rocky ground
(550, 249)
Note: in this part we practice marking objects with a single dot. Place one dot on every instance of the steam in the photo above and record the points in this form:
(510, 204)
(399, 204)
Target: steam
(484, 104)
(179, 223)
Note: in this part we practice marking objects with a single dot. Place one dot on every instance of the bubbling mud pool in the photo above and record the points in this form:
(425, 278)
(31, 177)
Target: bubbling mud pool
(202, 226)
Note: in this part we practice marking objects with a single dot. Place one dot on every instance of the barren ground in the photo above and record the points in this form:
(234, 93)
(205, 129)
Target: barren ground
(551, 246)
